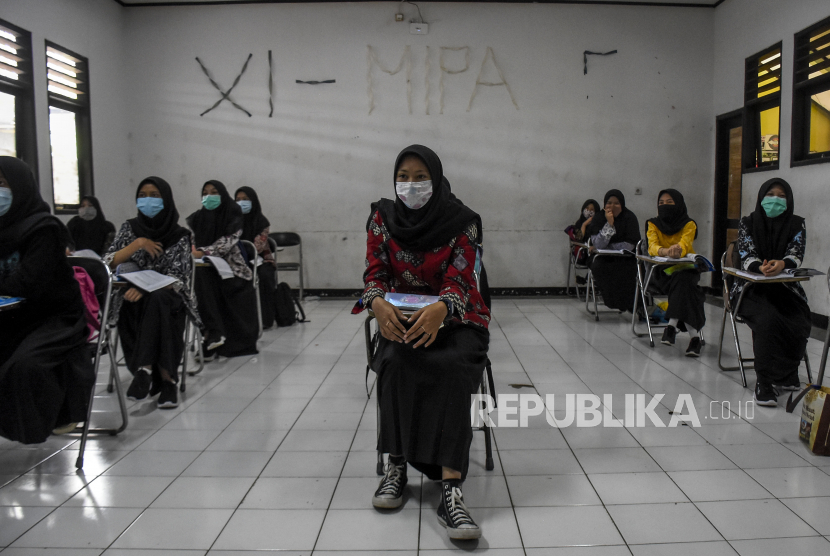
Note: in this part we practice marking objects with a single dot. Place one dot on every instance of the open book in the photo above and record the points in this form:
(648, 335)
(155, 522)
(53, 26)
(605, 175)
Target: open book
(410, 301)
(802, 272)
(146, 280)
(614, 252)
(702, 262)
(786, 273)
(220, 264)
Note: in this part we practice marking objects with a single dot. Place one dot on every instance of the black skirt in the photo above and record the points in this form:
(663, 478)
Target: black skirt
(46, 377)
(425, 397)
(780, 321)
(152, 332)
(685, 298)
(267, 293)
(616, 278)
(228, 308)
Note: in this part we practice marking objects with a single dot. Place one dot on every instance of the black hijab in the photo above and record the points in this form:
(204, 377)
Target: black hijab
(672, 218)
(626, 225)
(772, 235)
(210, 225)
(581, 220)
(254, 222)
(28, 213)
(90, 234)
(163, 227)
(436, 223)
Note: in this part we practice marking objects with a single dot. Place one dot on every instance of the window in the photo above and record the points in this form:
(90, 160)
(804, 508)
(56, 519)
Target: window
(811, 95)
(17, 107)
(762, 110)
(70, 135)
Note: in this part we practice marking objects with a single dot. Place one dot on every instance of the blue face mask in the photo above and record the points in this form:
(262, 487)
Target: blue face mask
(5, 200)
(245, 206)
(150, 206)
(774, 206)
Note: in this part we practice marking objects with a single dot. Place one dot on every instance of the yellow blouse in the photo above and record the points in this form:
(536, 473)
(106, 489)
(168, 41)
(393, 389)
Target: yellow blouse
(685, 238)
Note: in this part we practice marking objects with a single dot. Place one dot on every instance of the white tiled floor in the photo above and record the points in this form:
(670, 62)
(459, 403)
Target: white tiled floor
(275, 453)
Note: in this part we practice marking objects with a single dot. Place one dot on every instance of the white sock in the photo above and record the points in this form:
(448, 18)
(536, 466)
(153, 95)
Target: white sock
(673, 322)
(693, 332)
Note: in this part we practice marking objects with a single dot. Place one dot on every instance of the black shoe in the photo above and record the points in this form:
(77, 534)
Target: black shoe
(694, 347)
(668, 335)
(765, 394)
(140, 386)
(791, 383)
(389, 494)
(168, 399)
(454, 515)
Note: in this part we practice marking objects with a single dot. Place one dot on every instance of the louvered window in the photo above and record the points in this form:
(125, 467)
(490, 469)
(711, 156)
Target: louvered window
(811, 95)
(762, 109)
(17, 111)
(67, 75)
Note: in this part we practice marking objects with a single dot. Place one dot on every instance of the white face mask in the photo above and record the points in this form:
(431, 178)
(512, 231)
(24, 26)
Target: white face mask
(587, 213)
(414, 194)
(88, 213)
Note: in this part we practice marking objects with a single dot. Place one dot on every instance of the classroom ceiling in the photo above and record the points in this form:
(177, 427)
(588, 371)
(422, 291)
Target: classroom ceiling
(673, 3)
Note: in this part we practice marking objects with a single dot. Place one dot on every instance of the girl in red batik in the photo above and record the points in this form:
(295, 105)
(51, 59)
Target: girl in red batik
(425, 242)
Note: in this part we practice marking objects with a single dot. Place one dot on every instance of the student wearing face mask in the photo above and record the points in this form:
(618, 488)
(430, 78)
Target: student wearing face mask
(255, 228)
(46, 372)
(227, 306)
(425, 242)
(615, 227)
(771, 239)
(672, 234)
(589, 209)
(151, 325)
(90, 230)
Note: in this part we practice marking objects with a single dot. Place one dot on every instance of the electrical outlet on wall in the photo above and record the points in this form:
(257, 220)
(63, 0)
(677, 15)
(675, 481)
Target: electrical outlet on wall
(418, 28)
(398, 17)
(638, 191)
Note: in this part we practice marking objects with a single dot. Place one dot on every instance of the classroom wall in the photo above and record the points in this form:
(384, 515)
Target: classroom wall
(640, 118)
(741, 29)
(92, 28)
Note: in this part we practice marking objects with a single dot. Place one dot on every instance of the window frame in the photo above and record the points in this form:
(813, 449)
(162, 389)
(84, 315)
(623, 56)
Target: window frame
(83, 128)
(23, 90)
(801, 115)
(753, 107)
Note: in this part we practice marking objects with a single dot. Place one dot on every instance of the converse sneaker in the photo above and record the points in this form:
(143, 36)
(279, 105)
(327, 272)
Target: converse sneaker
(668, 335)
(454, 515)
(694, 348)
(389, 494)
(765, 394)
(168, 398)
(140, 386)
(791, 383)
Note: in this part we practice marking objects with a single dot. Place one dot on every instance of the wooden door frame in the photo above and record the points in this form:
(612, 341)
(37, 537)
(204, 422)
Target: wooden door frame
(723, 123)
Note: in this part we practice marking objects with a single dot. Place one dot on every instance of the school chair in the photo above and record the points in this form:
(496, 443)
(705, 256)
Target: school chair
(192, 335)
(731, 260)
(590, 286)
(253, 263)
(486, 386)
(575, 251)
(272, 245)
(289, 239)
(101, 277)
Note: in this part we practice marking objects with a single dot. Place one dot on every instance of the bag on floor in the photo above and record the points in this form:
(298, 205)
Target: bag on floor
(815, 421)
(287, 310)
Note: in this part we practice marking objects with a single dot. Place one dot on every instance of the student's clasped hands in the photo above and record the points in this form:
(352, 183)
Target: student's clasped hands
(772, 268)
(427, 321)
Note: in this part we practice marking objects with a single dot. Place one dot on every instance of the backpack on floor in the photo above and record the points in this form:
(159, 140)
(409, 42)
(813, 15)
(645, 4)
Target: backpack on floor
(287, 309)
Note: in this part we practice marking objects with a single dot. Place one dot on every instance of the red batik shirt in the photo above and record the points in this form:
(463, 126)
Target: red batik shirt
(446, 271)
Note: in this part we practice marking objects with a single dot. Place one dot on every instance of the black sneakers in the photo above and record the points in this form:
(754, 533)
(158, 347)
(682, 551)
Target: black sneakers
(791, 383)
(140, 386)
(694, 347)
(168, 398)
(453, 514)
(389, 494)
(669, 335)
(765, 394)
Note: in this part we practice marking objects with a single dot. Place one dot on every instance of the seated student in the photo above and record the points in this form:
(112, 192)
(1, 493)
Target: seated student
(771, 239)
(615, 228)
(151, 325)
(46, 372)
(255, 228)
(227, 307)
(90, 230)
(672, 234)
(577, 231)
(424, 242)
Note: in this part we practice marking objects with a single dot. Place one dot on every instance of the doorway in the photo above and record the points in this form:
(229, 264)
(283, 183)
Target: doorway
(728, 170)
